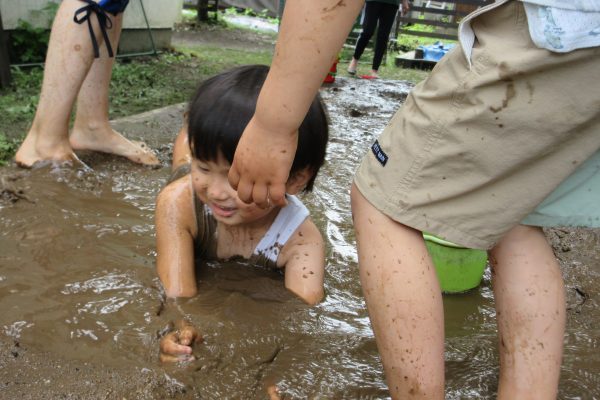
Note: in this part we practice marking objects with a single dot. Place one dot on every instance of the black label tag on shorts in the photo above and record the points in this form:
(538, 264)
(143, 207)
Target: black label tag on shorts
(379, 154)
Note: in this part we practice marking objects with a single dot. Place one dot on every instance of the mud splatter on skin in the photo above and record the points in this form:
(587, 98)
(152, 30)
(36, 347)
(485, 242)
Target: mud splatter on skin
(340, 3)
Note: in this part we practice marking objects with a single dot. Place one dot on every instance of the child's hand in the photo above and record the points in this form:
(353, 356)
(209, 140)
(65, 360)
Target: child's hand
(262, 164)
(177, 345)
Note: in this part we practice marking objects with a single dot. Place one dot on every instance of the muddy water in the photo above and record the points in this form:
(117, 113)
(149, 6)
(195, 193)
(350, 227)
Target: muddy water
(77, 282)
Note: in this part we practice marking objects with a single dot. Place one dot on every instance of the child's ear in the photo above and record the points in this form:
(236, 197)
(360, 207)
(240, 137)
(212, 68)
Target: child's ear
(298, 180)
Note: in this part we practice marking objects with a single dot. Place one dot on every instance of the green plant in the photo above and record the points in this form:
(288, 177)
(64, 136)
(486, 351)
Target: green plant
(263, 14)
(30, 43)
(8, 147)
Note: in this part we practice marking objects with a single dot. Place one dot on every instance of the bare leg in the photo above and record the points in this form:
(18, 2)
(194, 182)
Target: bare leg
(68, 61)
(92, 130)
(181, 149)
(530, 306)
(404, 301)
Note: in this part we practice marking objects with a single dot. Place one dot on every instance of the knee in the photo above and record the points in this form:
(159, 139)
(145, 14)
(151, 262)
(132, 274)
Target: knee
(516, 238)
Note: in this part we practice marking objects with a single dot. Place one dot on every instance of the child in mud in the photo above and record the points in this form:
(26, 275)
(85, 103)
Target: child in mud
(199, 215)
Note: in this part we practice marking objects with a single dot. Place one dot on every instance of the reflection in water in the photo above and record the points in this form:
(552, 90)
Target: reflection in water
(77, 278)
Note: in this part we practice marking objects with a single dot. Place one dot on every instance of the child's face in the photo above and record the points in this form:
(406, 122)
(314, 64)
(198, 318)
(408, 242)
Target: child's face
(209, 180)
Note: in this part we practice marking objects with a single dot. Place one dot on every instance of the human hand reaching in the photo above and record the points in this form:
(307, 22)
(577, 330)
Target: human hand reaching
(176, 346)
(262, 163)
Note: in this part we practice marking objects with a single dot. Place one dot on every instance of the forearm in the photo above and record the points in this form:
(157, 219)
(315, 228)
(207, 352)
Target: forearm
(311, 35)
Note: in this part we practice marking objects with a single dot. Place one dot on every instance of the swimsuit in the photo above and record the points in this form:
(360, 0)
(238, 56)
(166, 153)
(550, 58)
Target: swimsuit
(84, 14)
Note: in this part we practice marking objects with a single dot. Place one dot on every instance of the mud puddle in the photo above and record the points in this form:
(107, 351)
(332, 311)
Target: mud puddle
(82, 307)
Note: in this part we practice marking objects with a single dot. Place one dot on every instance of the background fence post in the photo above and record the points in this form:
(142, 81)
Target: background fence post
(5, 77)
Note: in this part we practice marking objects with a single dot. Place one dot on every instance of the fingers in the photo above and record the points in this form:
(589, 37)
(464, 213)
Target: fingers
(277, 195)
(189, 335)
(244, 190)
(172, 350)
(233, 176)
(263, 194)
(260, 195)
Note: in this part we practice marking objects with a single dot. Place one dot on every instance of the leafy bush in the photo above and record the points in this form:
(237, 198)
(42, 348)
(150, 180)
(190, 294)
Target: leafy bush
(7, 148)
(29, 44)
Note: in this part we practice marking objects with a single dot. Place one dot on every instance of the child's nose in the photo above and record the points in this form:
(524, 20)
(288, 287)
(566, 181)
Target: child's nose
(219, 188)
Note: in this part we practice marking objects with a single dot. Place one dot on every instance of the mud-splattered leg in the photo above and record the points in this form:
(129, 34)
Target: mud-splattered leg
(530, 307)
(404, 302)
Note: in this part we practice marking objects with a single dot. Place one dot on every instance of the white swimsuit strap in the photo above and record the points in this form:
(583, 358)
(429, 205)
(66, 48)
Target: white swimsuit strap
(287, 221)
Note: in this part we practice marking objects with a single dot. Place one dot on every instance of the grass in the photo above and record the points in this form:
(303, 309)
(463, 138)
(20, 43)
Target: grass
(7, 148)
(143, 84)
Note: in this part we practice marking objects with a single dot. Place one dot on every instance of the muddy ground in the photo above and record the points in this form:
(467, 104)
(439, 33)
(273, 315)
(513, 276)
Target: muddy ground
(34, 369)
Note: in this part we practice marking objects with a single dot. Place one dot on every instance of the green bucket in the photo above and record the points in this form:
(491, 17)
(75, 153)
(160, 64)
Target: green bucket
(458, 269)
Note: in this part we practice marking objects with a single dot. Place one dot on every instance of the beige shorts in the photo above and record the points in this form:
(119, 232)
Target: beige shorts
(474, 151)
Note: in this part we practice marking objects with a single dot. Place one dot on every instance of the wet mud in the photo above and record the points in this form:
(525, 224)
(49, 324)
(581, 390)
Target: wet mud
(82, 308)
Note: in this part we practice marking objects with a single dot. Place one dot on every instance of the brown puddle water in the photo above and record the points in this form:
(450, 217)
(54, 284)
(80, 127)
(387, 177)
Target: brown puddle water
(77, 280)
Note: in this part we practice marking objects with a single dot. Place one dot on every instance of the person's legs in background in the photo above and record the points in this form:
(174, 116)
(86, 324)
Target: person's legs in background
(404, 301)
(530, 311)
(386, 20)
(92, 130)
(69, 61)
(70, 56)
(372, 10)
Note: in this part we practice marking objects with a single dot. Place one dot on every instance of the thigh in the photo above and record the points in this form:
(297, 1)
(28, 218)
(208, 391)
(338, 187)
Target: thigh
(386, 17)
(372, 10)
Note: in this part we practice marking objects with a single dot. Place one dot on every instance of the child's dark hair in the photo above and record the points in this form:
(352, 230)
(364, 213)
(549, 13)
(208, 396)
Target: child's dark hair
(224, 104)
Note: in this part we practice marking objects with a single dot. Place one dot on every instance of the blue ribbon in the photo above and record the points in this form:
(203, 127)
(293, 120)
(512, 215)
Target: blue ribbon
(84, 14)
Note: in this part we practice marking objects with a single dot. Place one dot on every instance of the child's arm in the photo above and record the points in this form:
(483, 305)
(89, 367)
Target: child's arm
(312, 33)
(175, 230)
(304, 259)
(175, 262)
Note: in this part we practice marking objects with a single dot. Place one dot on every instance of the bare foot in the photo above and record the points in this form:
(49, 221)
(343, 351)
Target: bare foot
(107, 140)
(35, 150)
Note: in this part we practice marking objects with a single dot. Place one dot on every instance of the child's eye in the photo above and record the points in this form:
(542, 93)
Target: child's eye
(202, 168)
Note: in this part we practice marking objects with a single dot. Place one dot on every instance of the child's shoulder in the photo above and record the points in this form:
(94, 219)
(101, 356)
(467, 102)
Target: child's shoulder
(175, 189)
(306, 236)
(175, 202)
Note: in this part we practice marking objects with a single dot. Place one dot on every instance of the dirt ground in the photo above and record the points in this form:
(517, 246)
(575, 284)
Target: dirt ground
(29, 372)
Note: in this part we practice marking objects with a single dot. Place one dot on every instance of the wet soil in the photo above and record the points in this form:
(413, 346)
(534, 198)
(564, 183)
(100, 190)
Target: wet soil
(82, 308)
